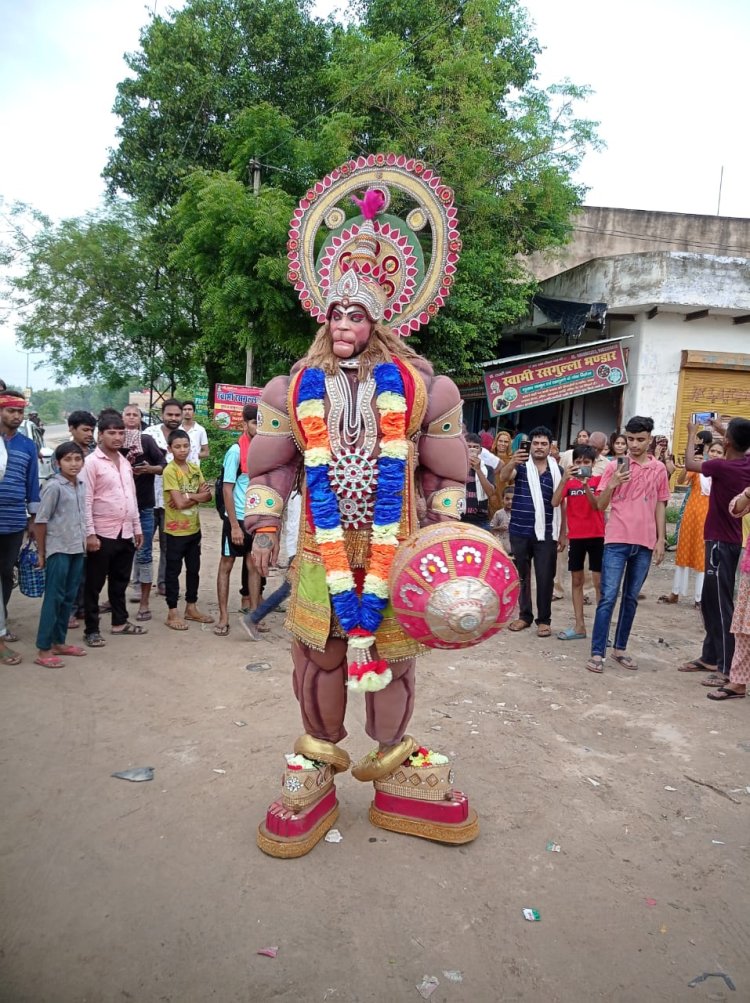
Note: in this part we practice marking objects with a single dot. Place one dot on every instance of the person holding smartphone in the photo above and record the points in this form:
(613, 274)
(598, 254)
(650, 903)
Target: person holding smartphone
(723, 543)
(636, 489)
(535, 526)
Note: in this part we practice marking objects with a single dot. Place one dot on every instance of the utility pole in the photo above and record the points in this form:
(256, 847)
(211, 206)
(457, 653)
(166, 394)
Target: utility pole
(253, 169)
(721, 182)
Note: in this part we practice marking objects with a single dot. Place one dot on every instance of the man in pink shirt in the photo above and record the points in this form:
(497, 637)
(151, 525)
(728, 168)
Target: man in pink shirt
(636, 487)
(113, 529)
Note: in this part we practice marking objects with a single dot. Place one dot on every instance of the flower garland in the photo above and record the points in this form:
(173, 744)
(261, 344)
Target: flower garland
(360, 616)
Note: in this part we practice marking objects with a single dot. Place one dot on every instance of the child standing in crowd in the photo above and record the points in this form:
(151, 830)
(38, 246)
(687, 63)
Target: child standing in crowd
(61, 545)
(184, 490)
(585, 530)
(500, 522)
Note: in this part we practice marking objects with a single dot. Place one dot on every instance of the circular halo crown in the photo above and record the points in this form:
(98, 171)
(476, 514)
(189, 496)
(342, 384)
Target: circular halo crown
(398, 284)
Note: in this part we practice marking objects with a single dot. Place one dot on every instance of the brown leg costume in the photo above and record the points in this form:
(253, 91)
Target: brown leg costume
(320, 687)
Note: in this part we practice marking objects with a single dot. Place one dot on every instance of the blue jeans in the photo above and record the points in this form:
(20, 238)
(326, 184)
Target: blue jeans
(142, 570)
(628, 565)
(63, 575)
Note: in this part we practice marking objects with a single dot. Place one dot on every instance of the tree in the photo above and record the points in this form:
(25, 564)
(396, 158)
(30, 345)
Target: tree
(222, 83)
(97, 297)
(195, 72)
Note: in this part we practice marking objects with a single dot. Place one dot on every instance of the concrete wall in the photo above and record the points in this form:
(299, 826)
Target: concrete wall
(654, 361)
(601, 232)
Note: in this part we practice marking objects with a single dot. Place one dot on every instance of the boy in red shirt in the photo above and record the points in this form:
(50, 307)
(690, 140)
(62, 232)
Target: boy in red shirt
(585, 530)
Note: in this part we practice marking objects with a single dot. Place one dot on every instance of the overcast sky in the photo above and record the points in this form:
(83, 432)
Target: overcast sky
(670, 79)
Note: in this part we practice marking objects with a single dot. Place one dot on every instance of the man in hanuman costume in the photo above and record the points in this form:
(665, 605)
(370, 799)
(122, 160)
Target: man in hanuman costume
(378, 432)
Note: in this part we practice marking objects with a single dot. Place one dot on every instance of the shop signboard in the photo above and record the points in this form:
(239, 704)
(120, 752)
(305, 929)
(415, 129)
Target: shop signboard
(544, 379)
(229, 401)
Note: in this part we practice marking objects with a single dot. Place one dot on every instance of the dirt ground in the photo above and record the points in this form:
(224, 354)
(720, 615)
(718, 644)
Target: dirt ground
(156, 891)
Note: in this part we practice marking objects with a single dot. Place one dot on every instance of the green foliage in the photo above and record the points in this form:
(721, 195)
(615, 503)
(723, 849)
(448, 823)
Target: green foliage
(219, 441)
(193, 270)
(96, 297)
(55, 405)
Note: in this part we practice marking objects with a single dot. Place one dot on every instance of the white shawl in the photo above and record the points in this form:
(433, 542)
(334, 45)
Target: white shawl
(535, 490)
(481, 493)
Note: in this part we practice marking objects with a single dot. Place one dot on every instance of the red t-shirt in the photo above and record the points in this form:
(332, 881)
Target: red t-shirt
(584, 522)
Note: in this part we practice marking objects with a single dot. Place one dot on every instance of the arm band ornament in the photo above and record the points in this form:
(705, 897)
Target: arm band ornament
(270, 421)
(450, 502)
(261, 500)
(448, 424)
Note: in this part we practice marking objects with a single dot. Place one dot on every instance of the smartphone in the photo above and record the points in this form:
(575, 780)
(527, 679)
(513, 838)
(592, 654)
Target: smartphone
(703, 417)
(525, 446)
(699, 449)
(623, 464)
(584, 471)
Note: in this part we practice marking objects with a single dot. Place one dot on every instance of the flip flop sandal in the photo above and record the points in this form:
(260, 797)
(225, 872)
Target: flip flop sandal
(625, 661)
(72, 650)
(570, 634)
(668, 600)
(518, 625)
(203, 618)
(544, 630)
(10, 658)
(94, 640)
(176, 625)
(221, 629)
(595, 665)
(73, 623)
(50, 662)
(128, 629)
(11, 637)
(726, 694)
(105, 608)
(143, 615)
(715, 681)
(694, 666)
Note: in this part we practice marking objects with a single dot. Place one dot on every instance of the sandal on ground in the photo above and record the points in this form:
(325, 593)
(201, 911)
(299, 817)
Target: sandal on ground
(595, 664)
(94, 640)
(11, 637)
(518, 625)
(570, 634)
(221, 629)
(714, 681)
(176, 624)
(724, 693)
(128, 628)
(143, 615)
(696, 665)
(543, 630)
(105, 608)
(668, 600)
(625, 661)
(588, 601)
(73, 623)
(50, 662)
(557, 598)
(201, 618)
(72, 650)
(8, 657)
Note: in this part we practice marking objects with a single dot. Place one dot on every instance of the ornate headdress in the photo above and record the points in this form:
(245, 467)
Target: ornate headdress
(376, 259)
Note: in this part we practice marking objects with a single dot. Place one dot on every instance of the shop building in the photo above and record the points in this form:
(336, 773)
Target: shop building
(673, 290)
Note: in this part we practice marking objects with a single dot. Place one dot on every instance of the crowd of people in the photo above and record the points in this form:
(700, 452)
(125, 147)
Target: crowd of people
(602, 503)
(117, 484)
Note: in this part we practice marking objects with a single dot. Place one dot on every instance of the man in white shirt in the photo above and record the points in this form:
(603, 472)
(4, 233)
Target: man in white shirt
(196, 432)
(171, 416)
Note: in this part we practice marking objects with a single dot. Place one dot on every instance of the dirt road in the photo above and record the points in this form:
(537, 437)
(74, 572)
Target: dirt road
(156, 891)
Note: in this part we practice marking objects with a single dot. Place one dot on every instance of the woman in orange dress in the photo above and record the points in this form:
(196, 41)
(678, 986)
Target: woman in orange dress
(690, 542)
(501, 447)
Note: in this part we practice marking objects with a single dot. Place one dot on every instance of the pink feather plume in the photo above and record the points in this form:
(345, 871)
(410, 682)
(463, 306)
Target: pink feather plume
(371, 204)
